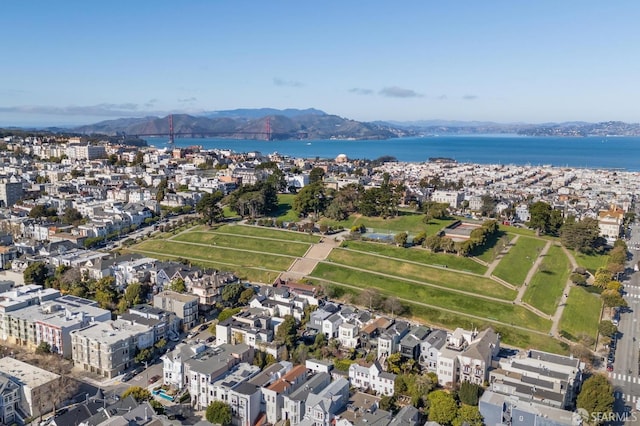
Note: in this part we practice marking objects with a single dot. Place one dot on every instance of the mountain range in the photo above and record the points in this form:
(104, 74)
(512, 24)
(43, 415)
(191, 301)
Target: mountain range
(265, 123)
(311, 123)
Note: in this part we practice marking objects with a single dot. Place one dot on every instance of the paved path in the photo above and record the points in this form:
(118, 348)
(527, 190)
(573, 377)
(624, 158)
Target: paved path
(303, 266)
(531, 273)
(560, 309)
(494, 263)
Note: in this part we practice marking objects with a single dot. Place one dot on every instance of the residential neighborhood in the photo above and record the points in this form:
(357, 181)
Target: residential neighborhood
(276, 352)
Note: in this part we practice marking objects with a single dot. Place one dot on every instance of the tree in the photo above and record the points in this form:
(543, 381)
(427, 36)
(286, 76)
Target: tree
(469, 393)
(287, 330)
(578, 279)
(144, 355)
(419, 238)
(231, 293)
(432, 242)
(139, 394)
(468, 415)
(388, 403)
(612, 299)
(372, 297)
(316, 175)
(602, 278)
(219, 413)
(394, 363)
(442, 407)
(311, 199)
(36, 273)
(178, 286)
(392, 304)
(540, 215)
(71, 215)
(583, 236)
(43, 348)
(246, 295)
(401, 239)
(607, 328)
(596, 395)
(209, 208)
(134, 294)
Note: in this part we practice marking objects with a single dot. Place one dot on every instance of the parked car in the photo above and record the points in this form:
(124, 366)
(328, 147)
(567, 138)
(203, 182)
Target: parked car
(203, 327)
(609, 367)
(128, 376)
(211, 339)
(154, 379)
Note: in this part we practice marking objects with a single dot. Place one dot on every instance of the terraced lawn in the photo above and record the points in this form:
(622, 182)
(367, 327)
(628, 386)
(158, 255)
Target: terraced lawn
(418, 255)
(404, 222)
(226, 256)
(427, 274)
(581, 315)
(546, 286)
(260, 231)
(494, 246)
(590, 262)
(505, 312)
(515, 265)
(290, 248)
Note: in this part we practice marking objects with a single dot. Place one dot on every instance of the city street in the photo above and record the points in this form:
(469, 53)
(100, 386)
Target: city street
(625, 376)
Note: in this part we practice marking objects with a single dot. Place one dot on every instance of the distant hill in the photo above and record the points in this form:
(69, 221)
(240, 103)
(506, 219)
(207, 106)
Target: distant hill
(250, 124)
(571, 128)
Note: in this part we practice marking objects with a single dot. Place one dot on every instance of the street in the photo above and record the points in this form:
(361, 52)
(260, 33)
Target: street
(625, 376)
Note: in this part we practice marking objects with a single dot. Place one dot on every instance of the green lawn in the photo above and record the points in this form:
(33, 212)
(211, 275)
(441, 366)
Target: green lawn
(423, 273)
(285, 210)
(591, 262)
(441, 318)
(515, 265)
(175, 250)
(290, 248)
(418, 255)
(581, 316)
(493, 246)
(261, 231)
(404, 222)
(505, 312)
(546, 287)
(518, 231)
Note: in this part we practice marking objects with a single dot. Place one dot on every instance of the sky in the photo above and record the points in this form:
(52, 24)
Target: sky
(76, 62)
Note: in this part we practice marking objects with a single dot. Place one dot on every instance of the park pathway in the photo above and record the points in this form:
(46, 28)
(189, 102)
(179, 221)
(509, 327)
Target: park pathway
(531, 273)
(494, 263)
(303, 266)
(565, 294)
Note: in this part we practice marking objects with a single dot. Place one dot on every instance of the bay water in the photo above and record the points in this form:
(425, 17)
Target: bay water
(587, 152)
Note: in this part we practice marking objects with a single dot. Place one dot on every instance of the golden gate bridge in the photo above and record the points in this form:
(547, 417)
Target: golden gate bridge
(266, 133)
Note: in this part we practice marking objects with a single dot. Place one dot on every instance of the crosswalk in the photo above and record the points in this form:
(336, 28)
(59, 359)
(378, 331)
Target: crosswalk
(632, 296)
(626, 397)
(624, 377)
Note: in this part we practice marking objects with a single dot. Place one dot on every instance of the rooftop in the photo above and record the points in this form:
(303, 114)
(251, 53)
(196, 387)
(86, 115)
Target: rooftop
(26, 374)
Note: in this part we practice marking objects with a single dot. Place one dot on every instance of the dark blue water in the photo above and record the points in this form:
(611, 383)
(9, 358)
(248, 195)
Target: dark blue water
(591, 152)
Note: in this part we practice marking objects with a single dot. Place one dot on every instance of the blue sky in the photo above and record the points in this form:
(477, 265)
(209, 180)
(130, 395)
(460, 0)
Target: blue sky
(74, 62)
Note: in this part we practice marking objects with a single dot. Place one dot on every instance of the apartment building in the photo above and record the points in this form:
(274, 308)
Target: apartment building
(109, 348)
(185, 306)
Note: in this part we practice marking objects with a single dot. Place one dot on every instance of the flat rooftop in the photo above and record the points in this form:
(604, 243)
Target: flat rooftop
(26, 374)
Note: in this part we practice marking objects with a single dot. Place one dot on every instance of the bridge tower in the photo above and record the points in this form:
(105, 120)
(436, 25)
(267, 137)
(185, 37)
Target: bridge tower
(268, 128)
(172, 135)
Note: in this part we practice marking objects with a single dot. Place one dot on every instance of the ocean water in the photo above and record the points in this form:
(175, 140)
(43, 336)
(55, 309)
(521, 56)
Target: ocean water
(589, 152)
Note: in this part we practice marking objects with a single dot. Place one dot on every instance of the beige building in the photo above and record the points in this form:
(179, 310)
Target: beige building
(109, 348)
(38, 387)
(610, 222)
(185, 306)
